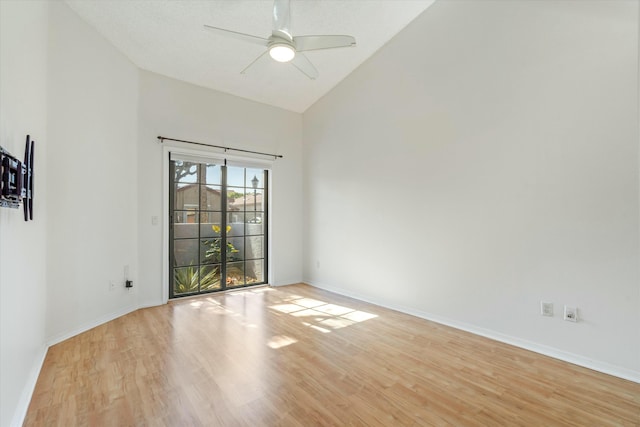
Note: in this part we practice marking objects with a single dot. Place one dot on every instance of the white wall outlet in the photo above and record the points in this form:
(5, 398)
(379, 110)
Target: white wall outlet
(112, 285)
(570, 314)
(154, 220)
(546, 308)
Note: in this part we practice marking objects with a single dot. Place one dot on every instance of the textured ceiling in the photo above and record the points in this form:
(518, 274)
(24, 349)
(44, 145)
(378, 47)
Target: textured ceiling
(167, 37)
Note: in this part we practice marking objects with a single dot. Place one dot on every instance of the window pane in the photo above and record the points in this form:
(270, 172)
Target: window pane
(210, 224)
(254, 222)
(255, 177)
(235, 176)
(209, 278)
(235, 248)
(185, 224)
(185, 252)
(211, 198)
(212, 174)
(210, 251)
(186, 197)
(235, 229)
(254, 247)
(236, 220)
(254, 201)
(185, 172)
(235, 205)
(185, 280)
(255, 271)
(234, 193)
(235, 274)
(235, 199)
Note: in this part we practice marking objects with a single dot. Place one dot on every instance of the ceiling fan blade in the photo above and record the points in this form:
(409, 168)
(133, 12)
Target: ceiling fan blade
(305, 43)
(253, 62)
(238, 36)
(282, 19)
(303, 64)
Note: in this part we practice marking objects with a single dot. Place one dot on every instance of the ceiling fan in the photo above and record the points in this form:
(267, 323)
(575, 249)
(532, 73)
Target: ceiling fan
(282, 46)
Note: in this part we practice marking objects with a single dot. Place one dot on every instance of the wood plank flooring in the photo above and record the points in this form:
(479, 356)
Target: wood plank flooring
(299, 356)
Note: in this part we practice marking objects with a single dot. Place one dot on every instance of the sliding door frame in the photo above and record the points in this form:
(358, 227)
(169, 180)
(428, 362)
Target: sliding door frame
(166, 187)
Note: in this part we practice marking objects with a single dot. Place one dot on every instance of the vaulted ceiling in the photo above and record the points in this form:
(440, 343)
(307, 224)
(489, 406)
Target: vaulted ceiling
(168, 37)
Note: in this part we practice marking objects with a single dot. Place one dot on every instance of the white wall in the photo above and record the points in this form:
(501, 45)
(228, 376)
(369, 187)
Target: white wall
(92, 198)
(23, 102)
(484, 160)
(179, 110)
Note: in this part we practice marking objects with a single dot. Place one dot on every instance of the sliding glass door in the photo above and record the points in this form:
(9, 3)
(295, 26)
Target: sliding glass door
(218, 227)
(246, 227)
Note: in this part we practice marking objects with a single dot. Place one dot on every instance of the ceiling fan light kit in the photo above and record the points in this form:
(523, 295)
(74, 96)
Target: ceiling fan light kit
(283, 47)
(282, 52)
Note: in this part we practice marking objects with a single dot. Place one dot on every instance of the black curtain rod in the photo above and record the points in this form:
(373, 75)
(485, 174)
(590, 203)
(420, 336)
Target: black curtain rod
(275, 156)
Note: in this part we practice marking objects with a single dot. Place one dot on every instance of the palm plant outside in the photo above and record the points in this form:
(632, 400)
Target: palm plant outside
(194, 279)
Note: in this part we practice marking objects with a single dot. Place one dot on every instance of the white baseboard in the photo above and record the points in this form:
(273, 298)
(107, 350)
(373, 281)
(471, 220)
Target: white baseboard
(286, 283)
(90, 325)
(25, 398)
(148, 304)
(575, 359)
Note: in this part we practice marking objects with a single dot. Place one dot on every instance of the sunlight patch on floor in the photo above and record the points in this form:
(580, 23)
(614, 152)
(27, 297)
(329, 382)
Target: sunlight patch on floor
(315, 314)
(320, 315)
(359, 316)
(333, 309)
(308, 313)
(317, 328)
(336, 322)
(309, 303)
(287, 308)
(280, 341)
(262, 290)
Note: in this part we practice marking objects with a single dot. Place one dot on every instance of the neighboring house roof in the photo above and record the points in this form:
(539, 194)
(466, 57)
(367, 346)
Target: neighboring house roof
(248, 198)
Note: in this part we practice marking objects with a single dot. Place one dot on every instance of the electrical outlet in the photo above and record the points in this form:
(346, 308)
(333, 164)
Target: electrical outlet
(570, 314)
(112, 285)
(546, 308)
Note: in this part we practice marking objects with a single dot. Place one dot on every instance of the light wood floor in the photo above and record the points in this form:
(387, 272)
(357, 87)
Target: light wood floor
(299, 356)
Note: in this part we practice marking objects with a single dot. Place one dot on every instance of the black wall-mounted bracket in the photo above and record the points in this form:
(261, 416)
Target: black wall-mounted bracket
(16, 180)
